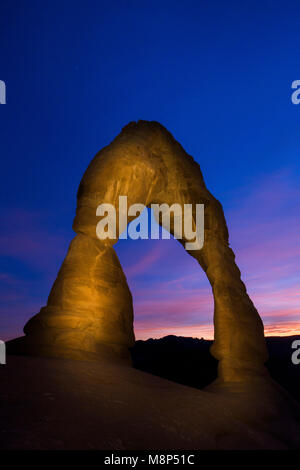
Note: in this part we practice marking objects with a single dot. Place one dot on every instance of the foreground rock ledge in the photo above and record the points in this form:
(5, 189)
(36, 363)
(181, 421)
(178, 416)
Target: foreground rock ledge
(49, 403)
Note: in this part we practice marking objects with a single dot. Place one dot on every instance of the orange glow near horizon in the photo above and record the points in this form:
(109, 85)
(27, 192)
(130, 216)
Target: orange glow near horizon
(207, 331)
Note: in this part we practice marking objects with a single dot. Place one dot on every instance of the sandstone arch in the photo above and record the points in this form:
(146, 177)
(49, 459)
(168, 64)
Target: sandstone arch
(89, 313)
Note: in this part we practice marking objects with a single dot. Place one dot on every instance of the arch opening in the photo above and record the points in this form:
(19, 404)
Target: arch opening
(171, 295)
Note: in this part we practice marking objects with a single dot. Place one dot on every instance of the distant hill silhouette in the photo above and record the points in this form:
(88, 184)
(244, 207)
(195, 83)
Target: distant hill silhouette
(189, 362)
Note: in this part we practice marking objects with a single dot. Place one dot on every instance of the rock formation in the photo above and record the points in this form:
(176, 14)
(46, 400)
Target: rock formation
(89, 312)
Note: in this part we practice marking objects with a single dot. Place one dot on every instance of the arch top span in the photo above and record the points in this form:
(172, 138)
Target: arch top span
(145, 163)
(89, 311)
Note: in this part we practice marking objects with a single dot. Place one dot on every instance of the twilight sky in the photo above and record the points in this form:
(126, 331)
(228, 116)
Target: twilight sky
(218, 75)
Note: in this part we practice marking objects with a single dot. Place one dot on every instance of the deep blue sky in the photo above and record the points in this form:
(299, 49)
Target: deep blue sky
(217, 74)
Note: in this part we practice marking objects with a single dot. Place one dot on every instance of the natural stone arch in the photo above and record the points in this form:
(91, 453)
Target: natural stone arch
(89, 312)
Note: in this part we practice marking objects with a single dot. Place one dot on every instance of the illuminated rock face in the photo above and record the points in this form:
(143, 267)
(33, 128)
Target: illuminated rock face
(89, 313)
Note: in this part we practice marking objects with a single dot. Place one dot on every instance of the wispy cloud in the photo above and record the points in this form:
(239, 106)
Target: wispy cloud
(27, 237)
(31, 251)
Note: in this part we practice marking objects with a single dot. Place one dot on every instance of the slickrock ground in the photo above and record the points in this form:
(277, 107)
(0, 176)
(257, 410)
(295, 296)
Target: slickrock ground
(49, 403)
